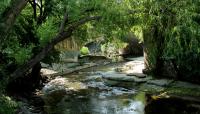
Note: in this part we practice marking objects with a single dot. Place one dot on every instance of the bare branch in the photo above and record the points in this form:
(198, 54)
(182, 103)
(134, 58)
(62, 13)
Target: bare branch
(62, 25)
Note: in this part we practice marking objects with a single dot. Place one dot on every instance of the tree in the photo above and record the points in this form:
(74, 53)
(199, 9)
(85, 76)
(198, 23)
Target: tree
(158, 20)
(9, 16)
(170, 33)
(75, 17)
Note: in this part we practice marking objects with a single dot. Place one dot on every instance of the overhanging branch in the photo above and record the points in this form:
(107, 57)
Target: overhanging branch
(49, 46)
(83, 20)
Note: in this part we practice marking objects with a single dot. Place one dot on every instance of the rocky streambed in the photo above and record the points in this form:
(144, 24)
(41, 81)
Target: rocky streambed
(119, 89)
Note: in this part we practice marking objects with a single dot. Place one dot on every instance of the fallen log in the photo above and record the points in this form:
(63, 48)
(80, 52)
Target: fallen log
(54, 73)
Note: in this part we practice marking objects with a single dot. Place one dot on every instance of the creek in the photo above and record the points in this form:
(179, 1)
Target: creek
(96, 97)
(87, 91)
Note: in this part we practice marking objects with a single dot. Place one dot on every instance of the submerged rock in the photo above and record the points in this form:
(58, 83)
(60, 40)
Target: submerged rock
(56, 89)
(96, 78)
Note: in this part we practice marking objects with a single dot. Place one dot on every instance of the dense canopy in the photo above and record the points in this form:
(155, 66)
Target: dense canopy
(169, 30)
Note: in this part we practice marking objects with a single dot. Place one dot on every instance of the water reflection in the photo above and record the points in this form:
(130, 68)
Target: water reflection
(108, 101)
(99, 106)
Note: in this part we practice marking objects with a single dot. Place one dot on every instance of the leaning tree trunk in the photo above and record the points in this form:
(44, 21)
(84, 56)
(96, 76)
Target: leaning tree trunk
(31, 63)
(9, 16)
(62, 35)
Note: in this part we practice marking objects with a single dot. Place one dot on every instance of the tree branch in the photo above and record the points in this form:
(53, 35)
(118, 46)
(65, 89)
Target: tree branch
(83, 20)
(65, 20)
(9, 16)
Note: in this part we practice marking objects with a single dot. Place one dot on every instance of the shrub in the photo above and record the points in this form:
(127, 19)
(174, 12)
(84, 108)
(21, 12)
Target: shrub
(84, 51)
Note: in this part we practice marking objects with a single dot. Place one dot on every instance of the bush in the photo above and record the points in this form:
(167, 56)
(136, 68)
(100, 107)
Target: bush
(84, 51)
(7, 105)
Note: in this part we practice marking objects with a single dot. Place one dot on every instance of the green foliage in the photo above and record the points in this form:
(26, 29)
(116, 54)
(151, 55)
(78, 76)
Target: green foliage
(26, 32)
(84, 51)
(170, 27)
(47, 31)
(18, 46)
(137, 30)
(20, 54)
(183, 40)
(113, 24)
(4, 4)
(171, 30)
(8, 106)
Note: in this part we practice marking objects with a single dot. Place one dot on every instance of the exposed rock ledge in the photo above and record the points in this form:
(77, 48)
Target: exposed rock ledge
(152, 86)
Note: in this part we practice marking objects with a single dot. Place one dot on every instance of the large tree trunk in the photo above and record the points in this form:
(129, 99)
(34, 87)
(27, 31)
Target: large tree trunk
(62, 35)
(153, 50)
(149, 50)
(9, 16)
(30, 64)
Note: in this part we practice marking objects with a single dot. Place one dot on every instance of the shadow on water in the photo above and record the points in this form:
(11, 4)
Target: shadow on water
(94, 105)
(172, 106)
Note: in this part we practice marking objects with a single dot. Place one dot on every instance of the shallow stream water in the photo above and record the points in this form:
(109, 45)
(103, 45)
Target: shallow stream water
(88, 92)
(99, 98)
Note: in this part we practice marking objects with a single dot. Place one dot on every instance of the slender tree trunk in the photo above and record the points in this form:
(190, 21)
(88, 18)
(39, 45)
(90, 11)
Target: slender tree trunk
(34, 10)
